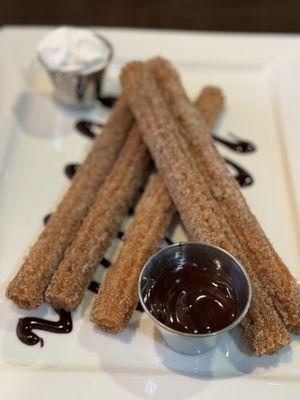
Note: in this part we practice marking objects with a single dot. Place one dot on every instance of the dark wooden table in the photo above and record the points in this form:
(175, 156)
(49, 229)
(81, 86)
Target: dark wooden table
(217, 15)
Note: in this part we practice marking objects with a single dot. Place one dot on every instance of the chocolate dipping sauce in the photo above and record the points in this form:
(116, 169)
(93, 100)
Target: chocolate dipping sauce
(193, 299)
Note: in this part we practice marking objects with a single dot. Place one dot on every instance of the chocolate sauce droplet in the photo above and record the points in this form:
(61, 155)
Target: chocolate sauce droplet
(108, 101)
(168, 241)
(120, 235)
(105, 262)
(71, 169)
(139, 307)
(94, 287)
(238, 145)
(87, 128)
(26, 326)
(46, 218)
(242, 176)
(130, 211)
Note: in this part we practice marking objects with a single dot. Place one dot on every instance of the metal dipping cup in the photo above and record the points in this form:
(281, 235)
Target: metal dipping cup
(77, 90)
(199, 254)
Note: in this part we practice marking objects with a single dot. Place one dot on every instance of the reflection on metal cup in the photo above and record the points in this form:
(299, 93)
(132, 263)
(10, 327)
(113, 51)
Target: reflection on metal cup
(195, 253)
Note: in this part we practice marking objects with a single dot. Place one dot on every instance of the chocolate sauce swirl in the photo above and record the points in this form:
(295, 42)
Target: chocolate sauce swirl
(193, 299)
(242, 175)
(238, 145)
(26, 326)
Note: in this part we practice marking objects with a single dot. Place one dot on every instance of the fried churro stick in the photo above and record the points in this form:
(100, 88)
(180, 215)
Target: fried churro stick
(117, 299)
(209, 103)
(202, 217)
(100, 226)
(118, 296)
(274, 276)
(28, 287)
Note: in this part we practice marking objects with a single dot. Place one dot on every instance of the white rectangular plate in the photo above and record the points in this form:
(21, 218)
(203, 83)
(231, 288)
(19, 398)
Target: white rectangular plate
(260, 79)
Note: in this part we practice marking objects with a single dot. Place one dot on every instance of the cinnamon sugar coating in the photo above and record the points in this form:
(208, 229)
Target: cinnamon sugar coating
(117, 298)
(273, 275)
(201, 214)
(100, 226)
(28, 287)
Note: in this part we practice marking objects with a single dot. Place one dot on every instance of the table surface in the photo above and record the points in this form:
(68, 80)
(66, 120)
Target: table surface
(210, 15)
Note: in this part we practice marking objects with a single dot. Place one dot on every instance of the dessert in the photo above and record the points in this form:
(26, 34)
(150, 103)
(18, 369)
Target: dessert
(118, 297)
(201, 214)
(28, 287)
(273, 275)
(101, 224)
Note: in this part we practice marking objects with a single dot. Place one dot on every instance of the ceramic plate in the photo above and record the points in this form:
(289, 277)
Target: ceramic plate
(260, 79)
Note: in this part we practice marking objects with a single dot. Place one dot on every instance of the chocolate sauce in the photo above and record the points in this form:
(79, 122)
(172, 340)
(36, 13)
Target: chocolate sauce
(242, 176)
(238, 145)
(105, 262)
(193, 299)
(87, 128)
(46, 218)
(130, 211)
(71, 169)
(26, 326)
(120, 235)
(108, 101)
(168, 241)
(94, 287)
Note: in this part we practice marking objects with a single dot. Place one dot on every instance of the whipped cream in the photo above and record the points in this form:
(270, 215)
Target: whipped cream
(69, 49)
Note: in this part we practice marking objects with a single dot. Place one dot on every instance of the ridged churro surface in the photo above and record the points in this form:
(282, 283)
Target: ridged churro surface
(273, 275)
(28, 287)
(100, 226)
(117, 297)
(201, 214)
(116, 301)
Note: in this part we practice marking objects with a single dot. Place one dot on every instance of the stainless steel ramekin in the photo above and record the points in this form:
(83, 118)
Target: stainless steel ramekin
(198, 253)
(79, 90)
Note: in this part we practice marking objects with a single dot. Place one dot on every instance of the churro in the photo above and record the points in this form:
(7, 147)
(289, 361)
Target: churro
(201, 214)
(117, 299)
(273, 275)
(28, 287)
(118, 296)
(209, 103)
(100, 226)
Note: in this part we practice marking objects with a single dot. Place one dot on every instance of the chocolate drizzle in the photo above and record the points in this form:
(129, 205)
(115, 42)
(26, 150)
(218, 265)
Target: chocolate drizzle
(108, 101)
(87, 128)
(242, 176)
(71, 169)
(238, 145)
(94, 287)
(26, 326)
(46, 218)
(105, 262)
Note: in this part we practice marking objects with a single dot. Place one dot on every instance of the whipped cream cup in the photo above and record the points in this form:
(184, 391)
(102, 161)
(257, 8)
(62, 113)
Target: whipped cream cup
(76, 60)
